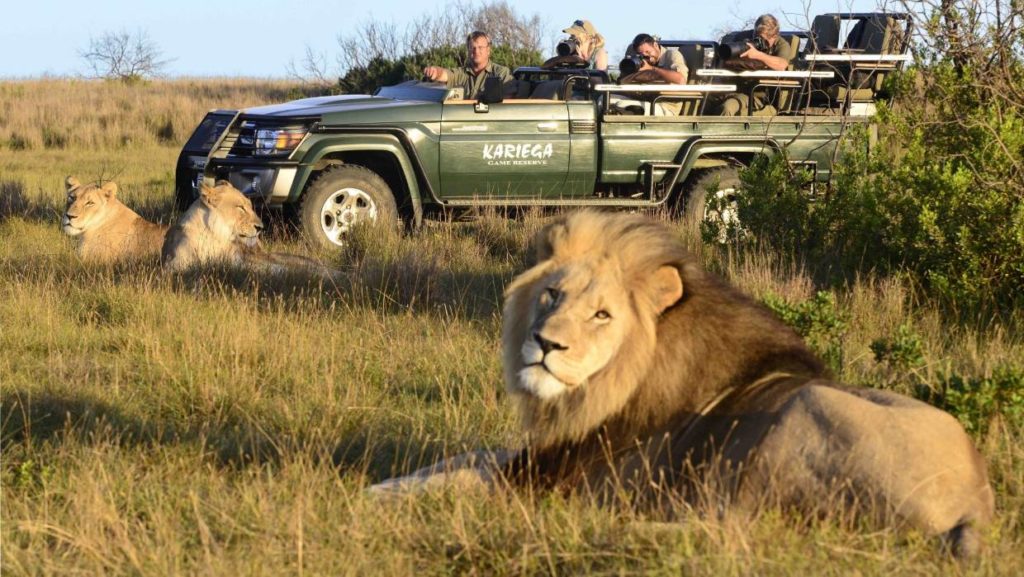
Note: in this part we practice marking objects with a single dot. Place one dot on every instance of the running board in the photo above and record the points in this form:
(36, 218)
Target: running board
(618, 202)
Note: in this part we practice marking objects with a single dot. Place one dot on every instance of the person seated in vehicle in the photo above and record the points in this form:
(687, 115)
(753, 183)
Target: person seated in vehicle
(585, 42)
(656, 64)
(766, 51)
(478, 68)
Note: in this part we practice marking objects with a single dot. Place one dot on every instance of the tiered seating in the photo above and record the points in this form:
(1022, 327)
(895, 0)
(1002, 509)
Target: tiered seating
(874, 46)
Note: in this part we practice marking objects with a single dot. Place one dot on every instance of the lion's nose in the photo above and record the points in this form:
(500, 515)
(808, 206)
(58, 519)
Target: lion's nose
(259, 226)
(546, 345)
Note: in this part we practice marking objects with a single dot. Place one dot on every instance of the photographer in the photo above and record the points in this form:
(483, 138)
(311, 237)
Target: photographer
(585, 42)
(767, 51)
(478, 67)
(656, 64)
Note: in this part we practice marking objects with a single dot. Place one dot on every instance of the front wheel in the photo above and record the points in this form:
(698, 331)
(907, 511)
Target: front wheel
(340, 199)
(712, 207)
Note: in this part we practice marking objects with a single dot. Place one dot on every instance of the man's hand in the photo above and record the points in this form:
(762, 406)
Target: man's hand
(645, 64)
(772, 62)
(436, 73)
(751, 52)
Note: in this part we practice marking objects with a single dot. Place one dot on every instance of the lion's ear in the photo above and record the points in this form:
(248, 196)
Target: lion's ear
(110, 189)
(666, 287)
(208, 195)
(71, 183)
(544, 243)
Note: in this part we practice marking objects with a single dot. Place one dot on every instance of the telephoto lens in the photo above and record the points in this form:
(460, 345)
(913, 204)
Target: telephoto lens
(566, 47)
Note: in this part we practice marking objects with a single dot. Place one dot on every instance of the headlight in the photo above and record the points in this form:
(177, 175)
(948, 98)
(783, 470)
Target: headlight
(275, 141)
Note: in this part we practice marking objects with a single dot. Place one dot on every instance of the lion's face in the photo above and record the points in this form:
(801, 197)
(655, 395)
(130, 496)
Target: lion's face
(579, 317)
(230, 214)
(580, 327)
(87, 205)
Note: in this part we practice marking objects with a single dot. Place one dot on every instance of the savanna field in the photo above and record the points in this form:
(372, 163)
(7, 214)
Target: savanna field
(228, 423)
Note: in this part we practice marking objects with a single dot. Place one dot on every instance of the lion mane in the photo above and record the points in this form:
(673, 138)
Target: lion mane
(106, 229)
(632, 366)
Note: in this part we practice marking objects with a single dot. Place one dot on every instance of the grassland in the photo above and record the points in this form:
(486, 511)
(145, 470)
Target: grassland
(224, 424)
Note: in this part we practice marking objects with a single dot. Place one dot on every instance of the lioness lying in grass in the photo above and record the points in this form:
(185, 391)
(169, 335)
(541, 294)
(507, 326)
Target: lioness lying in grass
(221, 226)
(106, 229)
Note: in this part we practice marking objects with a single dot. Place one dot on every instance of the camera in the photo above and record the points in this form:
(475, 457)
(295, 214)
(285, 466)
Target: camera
(567, 47)
(730, 51)
(630, 64)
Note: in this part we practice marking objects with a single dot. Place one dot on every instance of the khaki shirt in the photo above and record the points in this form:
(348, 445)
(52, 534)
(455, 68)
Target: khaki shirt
(672, 59)
(783, 49)
(472, 83)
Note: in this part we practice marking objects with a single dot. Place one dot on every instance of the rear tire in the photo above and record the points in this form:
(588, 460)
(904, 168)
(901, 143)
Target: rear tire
(341, 198)
(711, 205)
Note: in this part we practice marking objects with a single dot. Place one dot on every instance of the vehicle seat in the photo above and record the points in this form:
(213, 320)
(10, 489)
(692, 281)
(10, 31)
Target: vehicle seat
(548, 90)
(879, 34)
(693, 55)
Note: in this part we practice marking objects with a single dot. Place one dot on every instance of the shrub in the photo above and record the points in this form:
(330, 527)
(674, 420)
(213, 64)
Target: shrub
(817, 320)
(977, 402)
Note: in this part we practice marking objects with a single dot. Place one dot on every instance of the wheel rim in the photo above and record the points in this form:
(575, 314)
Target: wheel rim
(344, 209)
(722, 212)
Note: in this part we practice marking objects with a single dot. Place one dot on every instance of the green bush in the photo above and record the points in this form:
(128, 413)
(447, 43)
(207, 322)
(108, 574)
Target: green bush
(977, 401)
(901, 352)
(818, 320)
(945, 208)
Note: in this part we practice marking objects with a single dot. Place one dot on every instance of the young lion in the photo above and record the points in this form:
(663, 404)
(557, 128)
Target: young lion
(221, 226)
(106, 229)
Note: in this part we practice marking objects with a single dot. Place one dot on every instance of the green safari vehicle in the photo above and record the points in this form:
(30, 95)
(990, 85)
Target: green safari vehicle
(557, 137)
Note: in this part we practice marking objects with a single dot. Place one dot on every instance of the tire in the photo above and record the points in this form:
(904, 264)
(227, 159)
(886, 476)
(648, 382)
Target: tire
(342, 197)
(718, 220)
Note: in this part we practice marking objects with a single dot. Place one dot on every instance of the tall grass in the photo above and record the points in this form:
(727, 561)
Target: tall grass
(65, 114)
(224, 423)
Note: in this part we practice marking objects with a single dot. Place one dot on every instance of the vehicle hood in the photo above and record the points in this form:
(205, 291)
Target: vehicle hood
(345, 108)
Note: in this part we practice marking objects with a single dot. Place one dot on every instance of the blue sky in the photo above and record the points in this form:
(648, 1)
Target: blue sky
(259, 37)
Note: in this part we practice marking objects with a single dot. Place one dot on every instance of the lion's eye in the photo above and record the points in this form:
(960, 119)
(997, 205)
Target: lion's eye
(90, 203)
(241, 208)
(602, 315)
(552, 293)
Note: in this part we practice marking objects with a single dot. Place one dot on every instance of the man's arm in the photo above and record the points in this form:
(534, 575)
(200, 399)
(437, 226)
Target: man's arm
(671, 67)
(436, 73)
(780, 62)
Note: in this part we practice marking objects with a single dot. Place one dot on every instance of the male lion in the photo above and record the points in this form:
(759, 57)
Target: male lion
(222, 226)
(106, 229)
(634, 368)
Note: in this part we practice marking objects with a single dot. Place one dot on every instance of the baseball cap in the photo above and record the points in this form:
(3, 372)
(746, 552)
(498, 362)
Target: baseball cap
(581, 27)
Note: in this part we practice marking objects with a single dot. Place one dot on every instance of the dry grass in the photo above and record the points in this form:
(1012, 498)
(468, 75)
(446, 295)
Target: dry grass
(59, 114)
(222, 424)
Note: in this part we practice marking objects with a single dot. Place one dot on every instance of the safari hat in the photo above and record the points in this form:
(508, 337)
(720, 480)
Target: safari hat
(581, 27)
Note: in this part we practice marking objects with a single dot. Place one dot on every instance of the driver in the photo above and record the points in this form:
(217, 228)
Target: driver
(478, 67)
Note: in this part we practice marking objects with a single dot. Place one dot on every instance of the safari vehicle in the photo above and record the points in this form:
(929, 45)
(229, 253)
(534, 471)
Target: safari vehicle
(558, 137)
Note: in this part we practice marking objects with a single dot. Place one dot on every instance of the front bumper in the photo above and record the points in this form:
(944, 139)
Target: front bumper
(272, 184)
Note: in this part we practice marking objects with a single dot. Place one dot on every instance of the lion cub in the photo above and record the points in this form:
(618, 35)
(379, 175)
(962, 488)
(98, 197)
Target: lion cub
(106, 229)
(221, 226)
